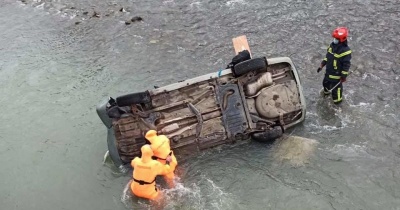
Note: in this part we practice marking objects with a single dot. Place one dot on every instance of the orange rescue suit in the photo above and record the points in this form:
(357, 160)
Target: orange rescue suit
(145, 170)
(162, 150)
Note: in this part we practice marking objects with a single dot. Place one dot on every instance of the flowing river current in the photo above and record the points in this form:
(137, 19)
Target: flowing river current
(60, 58)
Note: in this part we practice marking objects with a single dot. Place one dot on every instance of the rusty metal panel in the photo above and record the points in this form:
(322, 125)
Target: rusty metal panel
(126, 120)
(132, 133)
(127, 127)
(212, 140)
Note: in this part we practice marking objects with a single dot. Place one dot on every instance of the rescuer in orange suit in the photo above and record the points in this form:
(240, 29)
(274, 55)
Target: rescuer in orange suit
(145, 170)
(162, 151)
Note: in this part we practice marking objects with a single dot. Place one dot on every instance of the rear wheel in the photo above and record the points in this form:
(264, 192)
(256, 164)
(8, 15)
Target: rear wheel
(268, 135)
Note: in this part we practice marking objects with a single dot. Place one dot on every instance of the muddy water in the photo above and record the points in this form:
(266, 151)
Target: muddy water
(60, 58)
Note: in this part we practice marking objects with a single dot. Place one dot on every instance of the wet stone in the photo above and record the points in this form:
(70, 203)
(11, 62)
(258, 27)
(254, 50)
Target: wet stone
(96, 14)
(136, 18)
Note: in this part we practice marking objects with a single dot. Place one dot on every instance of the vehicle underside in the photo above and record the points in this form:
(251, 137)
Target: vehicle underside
(257, 98)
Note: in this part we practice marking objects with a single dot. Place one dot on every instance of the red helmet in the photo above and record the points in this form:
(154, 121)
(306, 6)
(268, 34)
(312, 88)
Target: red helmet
(340, 33)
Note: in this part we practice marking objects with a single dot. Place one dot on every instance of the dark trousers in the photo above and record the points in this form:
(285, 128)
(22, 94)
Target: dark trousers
(337, 92)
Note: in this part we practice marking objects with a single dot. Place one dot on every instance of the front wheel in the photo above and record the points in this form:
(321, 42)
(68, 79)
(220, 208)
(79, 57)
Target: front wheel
(133, 98)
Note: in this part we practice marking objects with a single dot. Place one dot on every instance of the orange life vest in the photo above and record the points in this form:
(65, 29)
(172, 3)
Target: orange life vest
(160, 145)
(144, 174)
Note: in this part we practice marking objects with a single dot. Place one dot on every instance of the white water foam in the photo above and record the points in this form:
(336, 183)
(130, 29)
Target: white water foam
(374, 77)
(169, 2)
(362, 104)
(234, 2)
(196, 4)
(126, 194)
(326, 127)
(367, 107)
(317, 127)
(40, 6)
(204, 194)
(350, 150)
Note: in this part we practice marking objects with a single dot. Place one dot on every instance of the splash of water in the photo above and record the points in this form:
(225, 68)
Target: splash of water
(350, 150)
(204, 194)
(132, 202)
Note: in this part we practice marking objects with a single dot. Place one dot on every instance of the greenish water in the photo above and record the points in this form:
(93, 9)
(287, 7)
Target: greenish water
(53, 72)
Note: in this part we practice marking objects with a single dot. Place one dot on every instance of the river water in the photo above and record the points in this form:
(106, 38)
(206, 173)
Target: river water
(60, 58)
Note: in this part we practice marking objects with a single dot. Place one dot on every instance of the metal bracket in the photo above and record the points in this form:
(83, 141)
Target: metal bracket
(256, 119)
(136, 111)
(196, 112)
(281, 119)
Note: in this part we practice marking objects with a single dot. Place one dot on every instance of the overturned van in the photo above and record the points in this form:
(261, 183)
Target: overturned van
(257, 98)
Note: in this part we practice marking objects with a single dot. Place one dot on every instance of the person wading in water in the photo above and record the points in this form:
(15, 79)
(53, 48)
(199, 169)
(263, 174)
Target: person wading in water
(337, 62)
(160, 145)
(145, 171)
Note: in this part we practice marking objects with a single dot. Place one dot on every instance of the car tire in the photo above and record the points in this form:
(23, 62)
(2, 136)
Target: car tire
(268, 135)
(133, 98)
(255, 64)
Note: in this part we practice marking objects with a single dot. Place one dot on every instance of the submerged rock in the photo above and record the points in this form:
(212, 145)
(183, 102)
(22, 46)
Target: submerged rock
(294, 149)
(96, 14)
(136, 18)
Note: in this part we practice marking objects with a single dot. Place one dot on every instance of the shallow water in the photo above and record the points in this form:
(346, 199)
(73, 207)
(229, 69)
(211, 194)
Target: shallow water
(57, 63)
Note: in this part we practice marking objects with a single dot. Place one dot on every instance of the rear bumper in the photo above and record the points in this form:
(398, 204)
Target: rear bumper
(111, 141)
